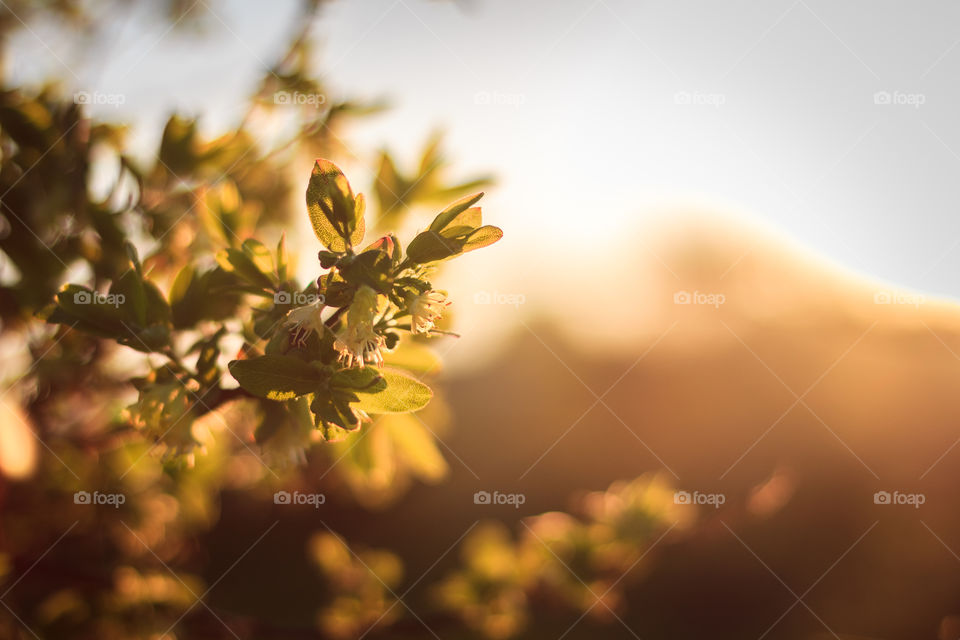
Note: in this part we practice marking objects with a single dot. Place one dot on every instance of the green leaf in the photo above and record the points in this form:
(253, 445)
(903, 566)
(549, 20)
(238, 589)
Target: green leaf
(181, 284)
(359, 379)
(276, 377)
(218, 212)
(282, 259)
(158, 311)
(87, 310)
(482, 237)
(401, 394)
(131, 296)
(178, 145)
(206, 295)
(151, 339)
(465, 222)
(432, 158)
(242, 264)
(454, 231)
(334, 413)
(430, 246)
(360, 208)
(336, 215)
(259, 254)
(448, 215)
(388, 188)
(187, 295)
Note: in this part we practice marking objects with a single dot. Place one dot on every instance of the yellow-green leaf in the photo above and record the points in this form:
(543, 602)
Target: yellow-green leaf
(335, 214)
(401, 394)
(445, 217)
(276, 377)
(242, 264)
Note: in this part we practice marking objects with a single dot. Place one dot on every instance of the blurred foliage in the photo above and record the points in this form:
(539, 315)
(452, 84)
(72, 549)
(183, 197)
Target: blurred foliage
(361, 585)
(580, 563)
(396, 192)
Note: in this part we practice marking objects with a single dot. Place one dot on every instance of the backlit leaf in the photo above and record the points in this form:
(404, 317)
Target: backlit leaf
(335, 214)
(401, 394)
(276, 377)
(445, 217)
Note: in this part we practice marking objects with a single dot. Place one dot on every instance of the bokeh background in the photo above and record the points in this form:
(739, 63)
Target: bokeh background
(731, 259)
